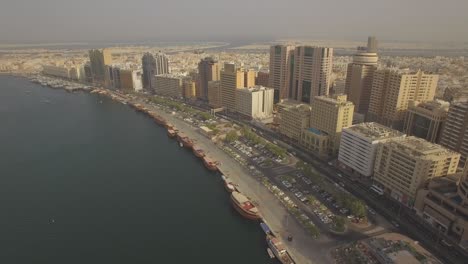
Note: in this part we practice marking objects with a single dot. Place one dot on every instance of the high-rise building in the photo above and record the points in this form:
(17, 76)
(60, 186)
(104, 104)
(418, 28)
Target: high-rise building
(112, 77)
(231, 79)
(329, 115)
(294, 118)
(214, 94)
(393, 89)
(426, 120)
(443, 204)
(358, 146)
(359, 78)
(168, 85)
(262, 78)
(149, 67)
(98, 60)
(455, 132)
(405, 164)
(255, 102)
(162, 64)
(208, 70)
(88, 73)
(372, 44)
(249, 78)
(311, 73)
(131, 80)
(280, 69)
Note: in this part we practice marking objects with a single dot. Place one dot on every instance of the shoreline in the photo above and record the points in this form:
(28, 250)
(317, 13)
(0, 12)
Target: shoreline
(274, 213)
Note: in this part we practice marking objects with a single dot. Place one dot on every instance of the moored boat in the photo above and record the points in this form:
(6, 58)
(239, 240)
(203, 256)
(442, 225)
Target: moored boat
(270, 253)
(171, 133)
(159, 120)
(279, 250)
(243, 205)
(198, 152)
(169, 125)
(210, 164)
(228, 185)
(188, 143)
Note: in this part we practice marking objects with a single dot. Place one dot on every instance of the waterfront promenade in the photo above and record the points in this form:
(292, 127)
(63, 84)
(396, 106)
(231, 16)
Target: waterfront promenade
(303, 248)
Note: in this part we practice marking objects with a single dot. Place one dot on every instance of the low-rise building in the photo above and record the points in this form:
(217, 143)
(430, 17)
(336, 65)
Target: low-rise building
(57, 71)
(189, 88)
(316, 141)
(168, 85)
(294, 118)
(358, 146)
(255, 102)
(403, 165)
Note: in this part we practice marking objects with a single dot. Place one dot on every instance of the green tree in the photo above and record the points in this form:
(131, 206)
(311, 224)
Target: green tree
(340, 223)
(232, 136)
(358, 208)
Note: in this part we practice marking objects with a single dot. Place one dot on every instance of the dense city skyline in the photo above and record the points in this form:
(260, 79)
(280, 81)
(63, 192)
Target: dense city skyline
(143, 20)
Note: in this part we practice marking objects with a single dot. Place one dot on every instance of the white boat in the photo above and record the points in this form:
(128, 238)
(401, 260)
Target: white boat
(270, 253)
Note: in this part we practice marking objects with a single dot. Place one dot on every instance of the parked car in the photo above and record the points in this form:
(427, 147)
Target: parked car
(286, 184)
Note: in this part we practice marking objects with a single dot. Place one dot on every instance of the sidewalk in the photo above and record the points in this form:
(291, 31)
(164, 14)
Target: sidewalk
(277, 217)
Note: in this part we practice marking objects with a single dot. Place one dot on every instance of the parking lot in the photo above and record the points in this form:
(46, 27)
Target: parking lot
(318, 200)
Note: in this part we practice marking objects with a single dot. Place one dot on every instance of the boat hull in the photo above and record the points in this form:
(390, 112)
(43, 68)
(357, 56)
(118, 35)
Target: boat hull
(250, 216)
(198, 153)
(210, 167)
(229, 187)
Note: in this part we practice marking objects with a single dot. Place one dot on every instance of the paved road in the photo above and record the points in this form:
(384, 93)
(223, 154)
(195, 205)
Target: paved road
(410, 224)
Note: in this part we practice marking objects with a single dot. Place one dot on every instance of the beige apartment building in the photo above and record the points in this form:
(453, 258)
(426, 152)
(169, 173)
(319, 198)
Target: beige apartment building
(59, 71)
(188, 88)
(255, 102)
(249, 78)
(426, 120)
(329, 115)
(393, 89)
(311, 76)
(454, 134)
(280, 69)
(359, 77)
(294, 118)
(404, 165)
(214, 94)
(444, 205)
(168, 85)
(231, 79)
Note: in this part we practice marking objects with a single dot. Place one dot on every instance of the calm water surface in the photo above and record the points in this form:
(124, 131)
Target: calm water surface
(87, 180)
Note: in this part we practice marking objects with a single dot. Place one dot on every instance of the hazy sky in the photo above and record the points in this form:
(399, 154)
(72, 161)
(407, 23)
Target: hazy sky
(32, 21)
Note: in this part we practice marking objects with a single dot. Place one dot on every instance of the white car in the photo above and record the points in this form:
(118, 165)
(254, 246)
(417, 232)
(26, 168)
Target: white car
(286, 184)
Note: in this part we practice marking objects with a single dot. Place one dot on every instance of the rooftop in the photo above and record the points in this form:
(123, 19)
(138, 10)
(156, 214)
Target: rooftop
(338, 99)
(255, 88)
(420, 147)
(374, 131)
(433, 106)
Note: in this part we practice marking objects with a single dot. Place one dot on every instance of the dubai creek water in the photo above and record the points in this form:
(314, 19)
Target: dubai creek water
(84, 179)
